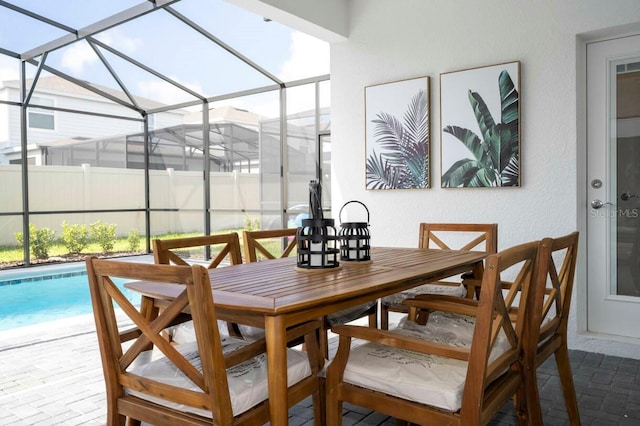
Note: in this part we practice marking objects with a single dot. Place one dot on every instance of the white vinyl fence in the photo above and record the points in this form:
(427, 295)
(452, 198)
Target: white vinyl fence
(66, 188)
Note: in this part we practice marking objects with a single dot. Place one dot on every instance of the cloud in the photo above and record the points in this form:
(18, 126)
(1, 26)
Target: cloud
(79, 55)
(308, 56)
(124, 43)
(166, 93)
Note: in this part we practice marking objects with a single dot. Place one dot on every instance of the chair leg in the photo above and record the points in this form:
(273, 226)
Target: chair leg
(114, 418)
(384, 317)
(568, 387)
(334, 410)
(319, 403)
(373, 318)
(527, 399)
(527, 411)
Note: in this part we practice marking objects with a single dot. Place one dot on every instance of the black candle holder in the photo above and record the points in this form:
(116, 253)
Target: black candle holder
(317, 237)
(317, 244)
(354, 238)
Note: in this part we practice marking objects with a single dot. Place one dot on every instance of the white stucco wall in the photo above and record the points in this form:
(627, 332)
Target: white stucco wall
(394, 40)
(390, 41)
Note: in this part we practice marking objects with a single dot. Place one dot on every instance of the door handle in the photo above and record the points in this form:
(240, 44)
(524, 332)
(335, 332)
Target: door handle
(598, 204)
(626, 195)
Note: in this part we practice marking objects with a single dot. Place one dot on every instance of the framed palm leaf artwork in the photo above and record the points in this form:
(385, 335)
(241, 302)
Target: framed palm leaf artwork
(397, 134)
(480, 124)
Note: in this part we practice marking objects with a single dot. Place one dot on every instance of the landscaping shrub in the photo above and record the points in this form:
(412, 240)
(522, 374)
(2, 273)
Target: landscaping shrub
(251, 224)
(40, 240)
(104, 234)
(75, 237)
(134, 240)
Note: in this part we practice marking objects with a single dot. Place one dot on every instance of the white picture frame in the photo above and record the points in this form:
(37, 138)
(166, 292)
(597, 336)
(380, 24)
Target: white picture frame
(397, 135)
(490, 96)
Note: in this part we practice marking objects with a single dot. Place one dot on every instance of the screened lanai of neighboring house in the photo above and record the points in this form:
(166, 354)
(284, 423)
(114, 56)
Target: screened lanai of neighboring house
(137, 101)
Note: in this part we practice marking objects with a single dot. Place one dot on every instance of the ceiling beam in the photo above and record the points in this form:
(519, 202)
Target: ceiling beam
(326, 20)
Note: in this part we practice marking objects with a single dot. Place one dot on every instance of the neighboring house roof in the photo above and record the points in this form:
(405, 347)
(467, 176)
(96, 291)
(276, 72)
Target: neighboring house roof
(227, 113)
(65, 142)
(58, 84)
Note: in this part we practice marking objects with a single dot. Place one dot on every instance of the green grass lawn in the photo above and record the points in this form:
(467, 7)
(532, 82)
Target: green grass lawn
(13, 255)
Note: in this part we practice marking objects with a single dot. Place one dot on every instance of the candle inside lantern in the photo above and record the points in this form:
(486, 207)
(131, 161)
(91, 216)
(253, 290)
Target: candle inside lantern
(353, 250)
(315, 257)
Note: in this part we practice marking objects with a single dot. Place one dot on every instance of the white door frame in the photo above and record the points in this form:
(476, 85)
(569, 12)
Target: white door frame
(579, 336)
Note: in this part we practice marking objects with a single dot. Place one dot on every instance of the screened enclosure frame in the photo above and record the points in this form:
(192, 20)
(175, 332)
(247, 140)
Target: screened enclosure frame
(37, 57)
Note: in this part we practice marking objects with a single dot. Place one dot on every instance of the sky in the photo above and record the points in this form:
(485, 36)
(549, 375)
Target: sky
(162, 42)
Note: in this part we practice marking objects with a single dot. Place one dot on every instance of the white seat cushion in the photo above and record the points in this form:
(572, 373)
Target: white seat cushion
(448, 290)
(428, 379)
(185, 332)
(247, 381)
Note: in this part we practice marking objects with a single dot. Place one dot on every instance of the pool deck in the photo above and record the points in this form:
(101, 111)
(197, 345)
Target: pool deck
(52, 375)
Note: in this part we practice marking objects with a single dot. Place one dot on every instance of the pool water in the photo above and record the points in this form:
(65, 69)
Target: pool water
(35, 300)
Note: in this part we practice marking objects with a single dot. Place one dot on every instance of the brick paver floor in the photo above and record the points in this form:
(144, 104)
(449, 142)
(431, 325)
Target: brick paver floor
(53, 376)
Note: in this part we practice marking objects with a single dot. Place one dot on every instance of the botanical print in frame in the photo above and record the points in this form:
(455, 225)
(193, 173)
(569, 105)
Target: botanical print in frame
(480, 116)
(397, 134)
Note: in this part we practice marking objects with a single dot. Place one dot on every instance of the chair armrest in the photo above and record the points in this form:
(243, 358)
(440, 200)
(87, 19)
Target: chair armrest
(445, 298)
(397, 340)
(455, 305)
(424, 303)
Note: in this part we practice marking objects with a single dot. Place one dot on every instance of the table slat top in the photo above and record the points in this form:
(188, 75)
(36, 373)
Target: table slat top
(278, 286)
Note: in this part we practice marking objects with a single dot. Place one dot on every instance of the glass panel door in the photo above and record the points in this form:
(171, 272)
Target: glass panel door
(613, 187)
(625, 152)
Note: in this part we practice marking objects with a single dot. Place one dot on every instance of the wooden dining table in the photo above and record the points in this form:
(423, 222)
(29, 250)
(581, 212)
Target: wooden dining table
(276, 294)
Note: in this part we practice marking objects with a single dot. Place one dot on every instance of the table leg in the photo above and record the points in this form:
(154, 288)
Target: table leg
(473, 283)
(276, 336)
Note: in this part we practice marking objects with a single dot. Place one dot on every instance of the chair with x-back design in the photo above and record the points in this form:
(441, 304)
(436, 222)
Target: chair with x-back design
(215, 379)
(460, 367)
(445, 236)
(210, 251)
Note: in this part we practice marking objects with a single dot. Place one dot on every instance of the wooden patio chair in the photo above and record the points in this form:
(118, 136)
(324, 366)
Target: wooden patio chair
(176, 250)
(444, 236)
(255, 250)
(221, 249)
(551, 322)
(548, 320)
(458, 369)
(150, 380)
(254, 244)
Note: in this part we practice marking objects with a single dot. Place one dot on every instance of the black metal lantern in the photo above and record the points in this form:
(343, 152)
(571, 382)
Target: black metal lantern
(354, 238)
(317, 237)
